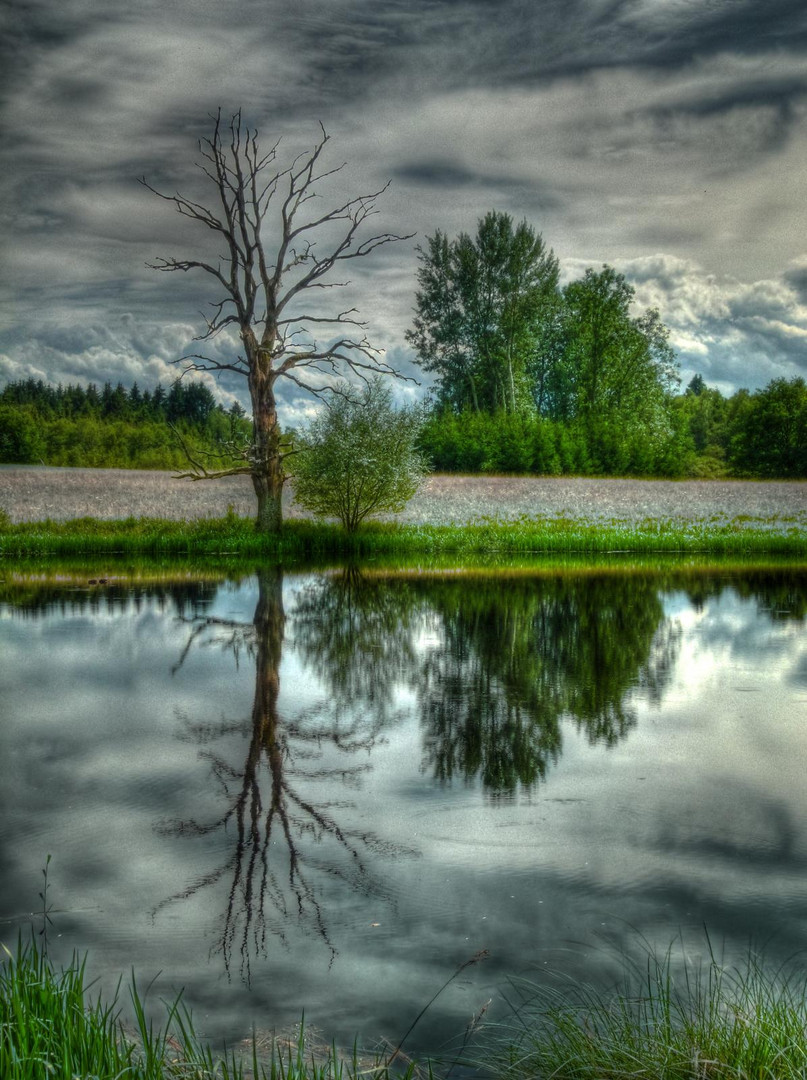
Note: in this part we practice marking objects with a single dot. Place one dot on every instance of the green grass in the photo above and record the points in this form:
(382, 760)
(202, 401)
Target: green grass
(702, 1023)
(50, 1028)
(664, 1024)
(232, 535)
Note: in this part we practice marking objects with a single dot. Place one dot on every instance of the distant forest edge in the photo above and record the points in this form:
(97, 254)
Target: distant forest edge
(115, 428)
(760, 435)
(752, 435)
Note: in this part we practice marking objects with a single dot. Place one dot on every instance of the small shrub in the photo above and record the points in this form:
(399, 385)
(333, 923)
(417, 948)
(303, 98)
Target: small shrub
(359, 457)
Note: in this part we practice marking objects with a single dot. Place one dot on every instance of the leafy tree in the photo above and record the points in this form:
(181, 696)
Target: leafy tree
(480, 313)
(696, 386)
(20, 435)
(702, 415)
(770, 431)
(263, 289)
(621, 365)
(359, 457)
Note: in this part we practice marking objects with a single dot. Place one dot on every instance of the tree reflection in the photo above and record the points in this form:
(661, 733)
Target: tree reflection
(284, 841)
(780, 593)
(358, 632)
(519, 656)
(497, 667)
(496, 662)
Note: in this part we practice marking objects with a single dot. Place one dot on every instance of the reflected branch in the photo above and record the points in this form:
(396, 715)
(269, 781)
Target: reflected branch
(264, 800)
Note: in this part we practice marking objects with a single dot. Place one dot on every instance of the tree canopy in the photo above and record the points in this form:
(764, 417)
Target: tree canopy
(481, 308)
(613, 363)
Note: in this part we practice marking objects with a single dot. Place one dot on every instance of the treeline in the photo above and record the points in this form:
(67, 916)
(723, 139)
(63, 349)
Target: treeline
(537, 377)
(748, 435)
(113, 427)
(761, 434)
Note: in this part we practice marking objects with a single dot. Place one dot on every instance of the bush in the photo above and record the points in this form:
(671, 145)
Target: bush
(359, 457)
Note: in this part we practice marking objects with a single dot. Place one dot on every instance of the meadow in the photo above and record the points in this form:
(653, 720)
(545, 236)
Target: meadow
(31, 493)
(46, 511)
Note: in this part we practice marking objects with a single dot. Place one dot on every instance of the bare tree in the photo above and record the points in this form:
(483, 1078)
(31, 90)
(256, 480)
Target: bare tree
(265, 285)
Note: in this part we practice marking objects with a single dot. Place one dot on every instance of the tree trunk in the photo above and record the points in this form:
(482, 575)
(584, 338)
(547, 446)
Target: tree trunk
(267, 461)
(270, 510)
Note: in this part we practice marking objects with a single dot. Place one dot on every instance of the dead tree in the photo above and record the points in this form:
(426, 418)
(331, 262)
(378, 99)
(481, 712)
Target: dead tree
(266, 281)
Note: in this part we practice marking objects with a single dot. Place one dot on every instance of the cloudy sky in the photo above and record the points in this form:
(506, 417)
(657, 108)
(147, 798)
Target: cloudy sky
(665, 137)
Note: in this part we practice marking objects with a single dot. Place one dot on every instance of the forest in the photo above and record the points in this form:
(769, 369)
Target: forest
(115, 427)
(761, 434)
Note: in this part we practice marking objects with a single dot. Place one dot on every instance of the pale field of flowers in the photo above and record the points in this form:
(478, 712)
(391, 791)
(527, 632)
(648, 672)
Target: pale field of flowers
(33, 493)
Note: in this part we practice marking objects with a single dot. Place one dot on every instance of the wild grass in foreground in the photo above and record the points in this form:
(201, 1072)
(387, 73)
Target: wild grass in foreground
(709, 1024)
(712, 1023)
(49, 1027)
(232, 535)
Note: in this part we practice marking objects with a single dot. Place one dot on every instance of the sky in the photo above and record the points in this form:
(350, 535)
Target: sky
(666, 138)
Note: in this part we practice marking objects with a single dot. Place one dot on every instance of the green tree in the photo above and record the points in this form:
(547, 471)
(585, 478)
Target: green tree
(621, 364)
(619, 374)
(359, 457)
(770, 431)
(702, 413)
(21, 440)
(480, 313)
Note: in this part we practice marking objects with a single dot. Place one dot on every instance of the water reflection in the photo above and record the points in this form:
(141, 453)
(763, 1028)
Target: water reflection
(274, 870)
(649, 725)
(496, 663)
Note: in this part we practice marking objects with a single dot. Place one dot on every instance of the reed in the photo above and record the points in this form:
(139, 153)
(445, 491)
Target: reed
(667, 1022)
(51, 1028)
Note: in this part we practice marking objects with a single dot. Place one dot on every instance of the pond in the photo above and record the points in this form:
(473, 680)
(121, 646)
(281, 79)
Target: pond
(326, 791)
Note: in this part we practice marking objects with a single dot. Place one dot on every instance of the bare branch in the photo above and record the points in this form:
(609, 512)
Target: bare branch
(197, 362)
(200, 470)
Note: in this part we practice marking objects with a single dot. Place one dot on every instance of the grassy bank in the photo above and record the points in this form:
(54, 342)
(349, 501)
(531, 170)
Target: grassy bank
(300, 539)
(707, 1023)
(670, 1021)
(50, 1027)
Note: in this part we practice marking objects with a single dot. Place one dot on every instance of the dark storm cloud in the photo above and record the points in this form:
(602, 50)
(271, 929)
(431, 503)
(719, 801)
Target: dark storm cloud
(796, 278)
(773, 102)
(507, 42)
(433, 173)
(776, 94)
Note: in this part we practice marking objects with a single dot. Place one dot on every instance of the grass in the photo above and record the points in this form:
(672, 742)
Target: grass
(709, 1023)
(706, 1023)
(50, 1028)
(303, 539)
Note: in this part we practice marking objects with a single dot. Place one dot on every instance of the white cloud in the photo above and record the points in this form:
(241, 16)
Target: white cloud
(735, 333)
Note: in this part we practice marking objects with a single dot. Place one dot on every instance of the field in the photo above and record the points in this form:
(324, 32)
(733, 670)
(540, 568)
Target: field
(35, 493)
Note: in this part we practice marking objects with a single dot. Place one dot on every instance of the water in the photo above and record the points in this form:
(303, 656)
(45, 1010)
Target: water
(326, 792)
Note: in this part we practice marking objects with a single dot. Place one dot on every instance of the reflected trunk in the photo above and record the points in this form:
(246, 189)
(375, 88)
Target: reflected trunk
(275, 872)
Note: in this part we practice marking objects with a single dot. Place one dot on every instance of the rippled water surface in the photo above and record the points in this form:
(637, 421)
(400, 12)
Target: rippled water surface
(325, 792)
